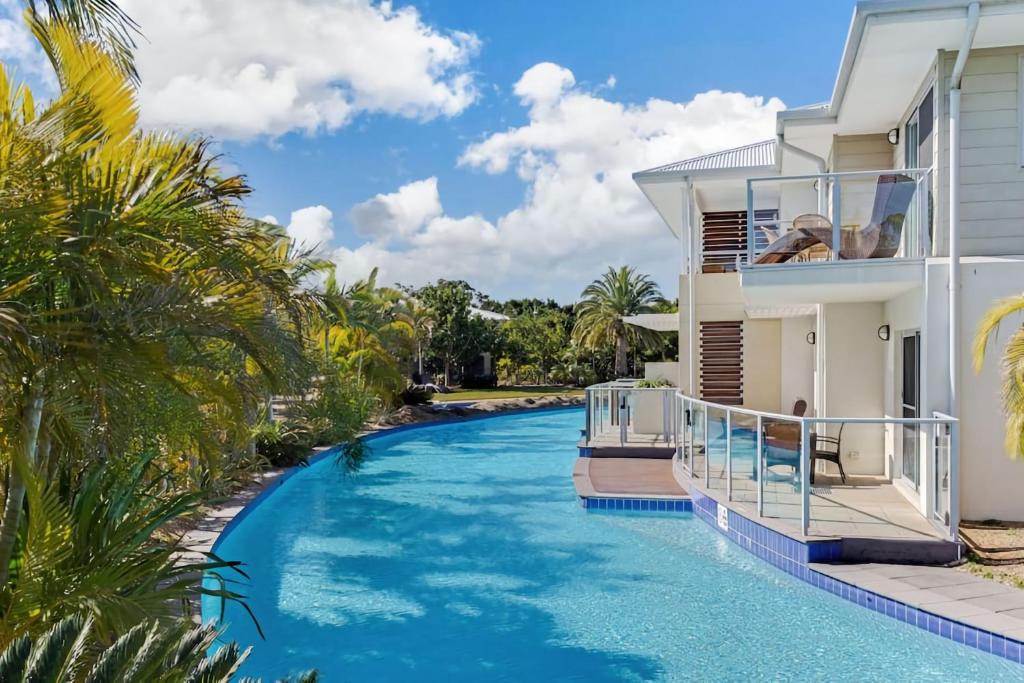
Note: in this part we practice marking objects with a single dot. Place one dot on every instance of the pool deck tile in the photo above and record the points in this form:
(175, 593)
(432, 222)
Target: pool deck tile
(946, 599)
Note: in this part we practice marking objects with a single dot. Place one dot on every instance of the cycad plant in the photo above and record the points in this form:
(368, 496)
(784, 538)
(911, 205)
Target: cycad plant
(603, 305)
(151, 651)
(1013, 365)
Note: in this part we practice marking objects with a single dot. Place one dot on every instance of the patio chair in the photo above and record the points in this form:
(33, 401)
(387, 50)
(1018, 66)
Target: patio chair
(782, 440)
(879, 239)
(828, 449)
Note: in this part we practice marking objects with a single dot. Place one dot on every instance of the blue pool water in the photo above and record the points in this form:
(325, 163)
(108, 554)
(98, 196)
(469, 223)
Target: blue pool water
(459, 553)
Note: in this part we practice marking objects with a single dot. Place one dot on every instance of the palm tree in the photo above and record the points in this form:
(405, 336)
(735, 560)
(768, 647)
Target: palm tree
(99, 21)
(604, 303)
(366, 331)
(1013, 366)
(126, 266)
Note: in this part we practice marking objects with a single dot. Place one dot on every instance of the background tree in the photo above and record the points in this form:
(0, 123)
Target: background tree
(454, 336)
(604, 303)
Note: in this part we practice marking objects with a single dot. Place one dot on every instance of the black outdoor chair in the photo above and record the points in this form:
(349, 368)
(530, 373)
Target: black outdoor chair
(828, 448)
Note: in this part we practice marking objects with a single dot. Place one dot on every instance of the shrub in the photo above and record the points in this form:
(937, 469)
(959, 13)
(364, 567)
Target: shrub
(653, 383)
(282, 444)
(416, 395)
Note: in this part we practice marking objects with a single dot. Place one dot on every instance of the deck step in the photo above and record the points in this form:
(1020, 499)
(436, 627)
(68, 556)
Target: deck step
(900, 551)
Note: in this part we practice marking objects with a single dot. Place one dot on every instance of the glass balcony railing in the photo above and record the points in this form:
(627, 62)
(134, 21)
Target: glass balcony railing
(768, 461)
(848, 216)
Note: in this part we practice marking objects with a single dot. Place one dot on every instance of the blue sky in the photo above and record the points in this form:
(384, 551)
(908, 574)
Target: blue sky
(504, 216)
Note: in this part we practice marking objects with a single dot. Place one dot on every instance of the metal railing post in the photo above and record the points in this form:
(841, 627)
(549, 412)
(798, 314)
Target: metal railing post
(758, 467)
(707, 452)
(805, 476)
(689, 435)
(589, 404)
(954, 480)
(676, 419)
(837, 218)
(750, 221)
(666, 414)
(728, 454)
(621, 400)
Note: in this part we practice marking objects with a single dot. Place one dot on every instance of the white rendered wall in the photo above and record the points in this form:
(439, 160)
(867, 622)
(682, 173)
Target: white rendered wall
(992, 483)
(762, 351)
(665, 371)
(854, 382)
(796, 371)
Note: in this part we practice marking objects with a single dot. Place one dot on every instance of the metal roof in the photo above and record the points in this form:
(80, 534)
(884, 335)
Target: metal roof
(755, 155)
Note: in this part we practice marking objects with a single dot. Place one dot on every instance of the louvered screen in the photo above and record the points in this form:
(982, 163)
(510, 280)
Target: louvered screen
(724, 238)
(721, 362)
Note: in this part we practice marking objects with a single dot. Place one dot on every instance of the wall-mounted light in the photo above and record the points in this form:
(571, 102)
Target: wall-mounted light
(883, 333)
(893, 136)
(811, 338)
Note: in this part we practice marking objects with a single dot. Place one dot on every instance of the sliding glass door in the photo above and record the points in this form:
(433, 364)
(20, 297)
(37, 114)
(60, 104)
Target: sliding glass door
(910, 404)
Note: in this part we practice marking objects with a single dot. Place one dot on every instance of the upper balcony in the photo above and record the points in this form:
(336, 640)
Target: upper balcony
(836, 237)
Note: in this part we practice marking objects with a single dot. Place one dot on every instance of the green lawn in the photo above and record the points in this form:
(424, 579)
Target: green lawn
(504, 392)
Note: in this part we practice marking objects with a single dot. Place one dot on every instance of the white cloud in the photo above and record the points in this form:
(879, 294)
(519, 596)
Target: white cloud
(18, 46)
(543, 84)
(581, 211)
(241, 69)
(311, 227)
(398, 214)
(413, 241)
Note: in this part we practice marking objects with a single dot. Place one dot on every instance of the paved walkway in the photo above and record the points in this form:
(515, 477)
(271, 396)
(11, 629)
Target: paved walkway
(943, 591)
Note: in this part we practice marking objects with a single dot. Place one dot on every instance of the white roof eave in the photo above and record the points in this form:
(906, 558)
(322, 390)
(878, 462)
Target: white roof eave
(659, 322)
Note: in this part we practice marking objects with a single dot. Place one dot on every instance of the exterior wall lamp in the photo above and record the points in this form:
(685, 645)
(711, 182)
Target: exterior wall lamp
(893, 136)
(811, 338)
(883, 333)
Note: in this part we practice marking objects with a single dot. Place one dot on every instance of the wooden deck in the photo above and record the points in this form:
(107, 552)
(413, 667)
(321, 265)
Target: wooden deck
(626, 478)
(637, 446)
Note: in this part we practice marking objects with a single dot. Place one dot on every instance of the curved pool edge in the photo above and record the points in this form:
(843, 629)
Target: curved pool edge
(796, 559)
(269, 487)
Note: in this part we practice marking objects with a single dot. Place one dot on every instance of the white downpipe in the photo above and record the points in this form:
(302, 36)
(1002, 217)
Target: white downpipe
(818, 162)
(691, 293)
(954, 209)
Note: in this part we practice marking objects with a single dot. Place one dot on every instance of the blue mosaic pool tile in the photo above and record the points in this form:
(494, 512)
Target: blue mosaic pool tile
(636, 504)
(1013, 650)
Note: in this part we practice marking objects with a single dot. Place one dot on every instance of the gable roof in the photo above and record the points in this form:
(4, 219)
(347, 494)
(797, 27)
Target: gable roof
(757, 155)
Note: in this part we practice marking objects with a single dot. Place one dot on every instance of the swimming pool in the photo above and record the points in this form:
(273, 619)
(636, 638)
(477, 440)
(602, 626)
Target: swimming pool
(459, 552)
